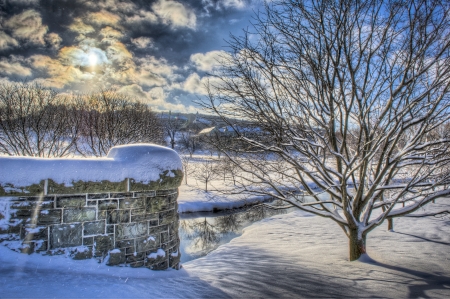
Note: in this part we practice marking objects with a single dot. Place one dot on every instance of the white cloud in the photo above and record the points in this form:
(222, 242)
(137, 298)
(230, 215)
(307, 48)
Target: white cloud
(142, 42)
(208, 61)
(196, 85)
(234, 3)
(142, 16)
(7, 41)
(175, 14)
(27, 26)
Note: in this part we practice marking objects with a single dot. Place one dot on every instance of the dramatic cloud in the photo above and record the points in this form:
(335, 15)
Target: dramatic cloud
(6, 41)
(13, 67)
(175, 14)
(27, 26)
(79, 26)
(196, 85)
(53, 39)
(208, 61)
(103, 18)
(142, 42)
(154, 50)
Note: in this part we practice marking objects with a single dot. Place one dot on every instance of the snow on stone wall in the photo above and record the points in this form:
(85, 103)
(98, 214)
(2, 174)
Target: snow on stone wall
(126, 168)
(138, 229)
(122, 207)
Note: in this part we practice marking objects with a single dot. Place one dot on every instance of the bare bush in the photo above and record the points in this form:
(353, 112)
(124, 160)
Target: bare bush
(36, 121)
(110, 118)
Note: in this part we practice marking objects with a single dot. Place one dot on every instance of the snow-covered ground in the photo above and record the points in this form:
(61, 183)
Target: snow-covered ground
(290, 255)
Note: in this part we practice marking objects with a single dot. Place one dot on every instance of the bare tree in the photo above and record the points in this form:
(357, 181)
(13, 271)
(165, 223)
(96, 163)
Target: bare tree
(349, 93)
(172, 126)
(110, 119)
(36, 121)
(206, 171)
(189, 142)
(187, 167)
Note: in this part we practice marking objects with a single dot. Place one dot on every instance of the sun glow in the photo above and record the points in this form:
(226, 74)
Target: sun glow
(93, 59)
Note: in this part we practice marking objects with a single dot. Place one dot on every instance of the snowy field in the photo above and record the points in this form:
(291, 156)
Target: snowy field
(284, 256)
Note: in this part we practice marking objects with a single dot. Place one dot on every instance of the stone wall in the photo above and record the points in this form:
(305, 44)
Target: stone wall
(139, 229)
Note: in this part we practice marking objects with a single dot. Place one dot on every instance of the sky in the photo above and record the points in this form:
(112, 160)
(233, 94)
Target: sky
(158, 51)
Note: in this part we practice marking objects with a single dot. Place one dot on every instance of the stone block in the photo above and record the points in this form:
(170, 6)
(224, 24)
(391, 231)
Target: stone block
(110, 229)
(82, 253)
(147, 243)
(109, 204)
(174, 259)
(153, 222)
(125, 244)
(79, 215)
(157, 229)
(137, 264)
(33, 232)
(94, 228)
(40, 246)
(102, 215)
(138, 218)
(97, 195)
(23, 213)
(92, 203)
(116, 257)
(172, 197)
(118, 216)
(167, 217)
(135, 212)
(165, 237)
(121, 194)
(102, 245)
(88, 241)
(159, 266)
(32, 205)
(66, 235)
(49, 216)
(131, 230)
(166, 192)
(132, 203)
(72, 201)
(144, 193)
(156, 204)
(135, 257)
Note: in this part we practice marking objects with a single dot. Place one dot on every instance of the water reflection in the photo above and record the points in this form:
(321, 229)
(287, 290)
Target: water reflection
(204, 232)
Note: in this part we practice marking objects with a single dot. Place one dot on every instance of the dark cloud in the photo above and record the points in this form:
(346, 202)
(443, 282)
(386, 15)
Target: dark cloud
(140, 46)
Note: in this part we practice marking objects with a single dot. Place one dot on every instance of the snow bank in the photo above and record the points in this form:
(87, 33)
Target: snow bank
(142, 162)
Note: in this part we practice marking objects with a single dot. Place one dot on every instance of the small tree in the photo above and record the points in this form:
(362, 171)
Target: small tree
(189, 142)
(206, 172)
(349, 93)
(172, 125)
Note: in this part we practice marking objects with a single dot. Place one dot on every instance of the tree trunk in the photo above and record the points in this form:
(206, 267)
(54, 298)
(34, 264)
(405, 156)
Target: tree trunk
(357, 244)
(391, 225)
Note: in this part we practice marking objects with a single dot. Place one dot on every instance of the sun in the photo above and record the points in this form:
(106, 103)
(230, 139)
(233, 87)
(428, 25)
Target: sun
(93, 59)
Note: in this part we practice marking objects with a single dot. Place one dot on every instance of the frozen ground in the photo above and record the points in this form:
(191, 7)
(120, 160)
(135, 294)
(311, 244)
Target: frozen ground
(291, 255)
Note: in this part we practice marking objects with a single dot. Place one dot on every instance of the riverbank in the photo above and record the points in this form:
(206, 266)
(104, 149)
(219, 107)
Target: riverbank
(290, 255)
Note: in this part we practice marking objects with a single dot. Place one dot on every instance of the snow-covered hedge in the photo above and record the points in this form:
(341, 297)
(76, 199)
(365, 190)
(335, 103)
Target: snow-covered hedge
(126, 168)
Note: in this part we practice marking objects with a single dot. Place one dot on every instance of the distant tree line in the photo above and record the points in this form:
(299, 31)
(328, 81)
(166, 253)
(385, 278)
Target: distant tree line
(40, 122)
